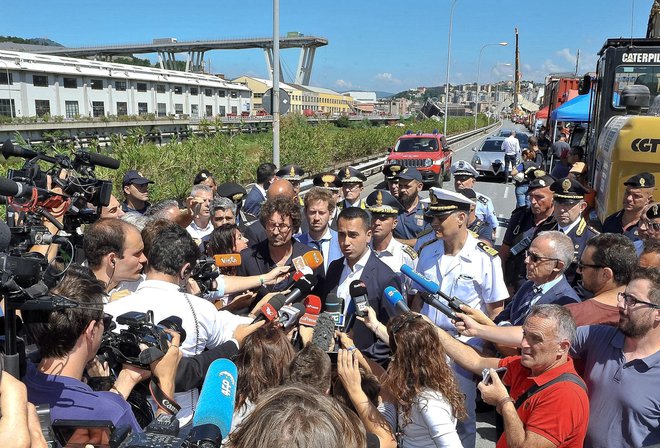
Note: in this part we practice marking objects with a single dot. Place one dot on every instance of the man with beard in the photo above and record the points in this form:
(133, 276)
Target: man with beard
(465, 177)
(411, 222)
(136, 191)
(330, 182)
(524, 225)
(319, 207)
(622, 368)
(638, 193)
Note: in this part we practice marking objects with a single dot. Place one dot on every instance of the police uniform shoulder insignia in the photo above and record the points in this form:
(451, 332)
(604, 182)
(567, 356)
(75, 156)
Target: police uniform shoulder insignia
(428, 243)
(487, 248)
(473, 233)
(483, 199)
(424, 232)
(581, 226)
(410, 251)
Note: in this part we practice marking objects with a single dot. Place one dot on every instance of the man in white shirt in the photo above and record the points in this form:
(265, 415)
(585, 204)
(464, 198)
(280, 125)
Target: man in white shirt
(359, 263)
(171, 257)
(199, 202)
(384, 209)
(319, 207)
(511, 147)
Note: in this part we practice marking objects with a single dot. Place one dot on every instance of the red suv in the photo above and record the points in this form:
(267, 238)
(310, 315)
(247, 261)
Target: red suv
(429, 153)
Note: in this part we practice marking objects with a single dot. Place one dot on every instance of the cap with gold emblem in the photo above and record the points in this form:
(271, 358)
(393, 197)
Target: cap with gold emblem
(327, 180)
(232, 191)
(463, 169)
(291, 172)
(641, 180)
(381, 201)
(653, 211)
(443, 202)
(539, 179)
(135, 177)
(350, 175)
(568, 191)
(391, 171)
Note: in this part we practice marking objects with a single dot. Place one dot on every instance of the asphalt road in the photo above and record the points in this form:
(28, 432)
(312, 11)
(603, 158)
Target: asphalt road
(504, 200)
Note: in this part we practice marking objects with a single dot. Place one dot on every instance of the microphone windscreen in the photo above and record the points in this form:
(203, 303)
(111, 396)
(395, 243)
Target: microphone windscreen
(227, 260)
(357, 288)
(313, 259)
(333, 304)
(418, 278)
(324, 332)
(393, 295)
(216, 401)
(8, 187)
(104, 161)
(313, 304)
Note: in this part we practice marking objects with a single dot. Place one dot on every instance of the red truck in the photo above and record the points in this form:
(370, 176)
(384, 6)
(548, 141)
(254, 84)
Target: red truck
(429, 153)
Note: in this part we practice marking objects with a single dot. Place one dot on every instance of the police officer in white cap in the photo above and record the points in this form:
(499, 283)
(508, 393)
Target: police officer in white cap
(466, 268)
(384, 209)
(465, 176)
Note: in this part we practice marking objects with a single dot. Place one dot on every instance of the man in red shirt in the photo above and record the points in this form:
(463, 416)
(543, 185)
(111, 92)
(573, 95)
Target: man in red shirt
(548, 405)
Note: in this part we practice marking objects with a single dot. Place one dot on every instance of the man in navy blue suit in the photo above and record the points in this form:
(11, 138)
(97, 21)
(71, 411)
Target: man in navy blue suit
(257, 195)
(546, 260)
(359, 263)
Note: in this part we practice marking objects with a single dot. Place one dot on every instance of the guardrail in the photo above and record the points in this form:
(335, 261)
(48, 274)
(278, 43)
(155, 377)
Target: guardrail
(374, 164)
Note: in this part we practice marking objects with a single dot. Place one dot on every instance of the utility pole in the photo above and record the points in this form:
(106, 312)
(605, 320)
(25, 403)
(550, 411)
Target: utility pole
(516, 77)
(276, 83)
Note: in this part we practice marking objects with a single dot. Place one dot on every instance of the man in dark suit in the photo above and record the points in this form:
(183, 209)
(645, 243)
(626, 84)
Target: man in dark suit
(359, 263)
(546, 260)
(279, 216)
(257, 195)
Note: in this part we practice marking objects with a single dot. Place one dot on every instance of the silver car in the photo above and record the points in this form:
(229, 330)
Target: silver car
(489, 158)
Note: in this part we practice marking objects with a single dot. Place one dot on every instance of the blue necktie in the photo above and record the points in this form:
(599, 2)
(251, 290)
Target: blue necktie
(532, 297)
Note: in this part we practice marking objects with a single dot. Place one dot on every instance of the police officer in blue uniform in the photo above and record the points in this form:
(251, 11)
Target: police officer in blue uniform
(465, 176)
(352, 184)
(476, 226)
(638, 194)
(411, 223)
(569, 205)
(391, 182)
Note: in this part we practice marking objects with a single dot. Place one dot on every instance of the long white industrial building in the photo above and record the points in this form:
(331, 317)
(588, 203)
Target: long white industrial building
(35, 85)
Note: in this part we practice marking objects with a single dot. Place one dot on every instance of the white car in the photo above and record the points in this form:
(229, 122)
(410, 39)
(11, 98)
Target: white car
(489, 158)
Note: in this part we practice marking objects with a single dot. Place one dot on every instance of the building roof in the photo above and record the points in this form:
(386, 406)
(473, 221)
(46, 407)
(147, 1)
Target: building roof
(268, 82)
(85, 67)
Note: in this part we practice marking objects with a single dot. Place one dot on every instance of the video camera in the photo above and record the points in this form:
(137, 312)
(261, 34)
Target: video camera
(125, 346)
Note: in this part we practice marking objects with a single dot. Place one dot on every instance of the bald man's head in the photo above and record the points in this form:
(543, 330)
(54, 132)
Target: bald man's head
(280, 187)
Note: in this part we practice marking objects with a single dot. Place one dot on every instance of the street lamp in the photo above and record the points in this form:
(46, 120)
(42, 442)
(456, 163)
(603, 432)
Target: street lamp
(476, 99)
(451, 16)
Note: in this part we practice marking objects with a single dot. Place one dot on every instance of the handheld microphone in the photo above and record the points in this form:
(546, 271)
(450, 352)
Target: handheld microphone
(313, 259)
(269, 310)
(396, 299)
(433, 288)
(312, 310)
(335, 307)
(324, 332)
(360, 296)
(215, 408)
(290, 314)
(227, 260)
(301, 288)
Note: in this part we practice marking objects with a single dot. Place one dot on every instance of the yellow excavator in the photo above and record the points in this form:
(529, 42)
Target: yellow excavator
(623, 137)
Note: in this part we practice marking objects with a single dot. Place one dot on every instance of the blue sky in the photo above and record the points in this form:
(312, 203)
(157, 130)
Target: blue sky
(381, 45)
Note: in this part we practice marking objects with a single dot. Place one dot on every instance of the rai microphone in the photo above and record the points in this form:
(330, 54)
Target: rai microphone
(269, 310)
(215, 408)
(433, 289)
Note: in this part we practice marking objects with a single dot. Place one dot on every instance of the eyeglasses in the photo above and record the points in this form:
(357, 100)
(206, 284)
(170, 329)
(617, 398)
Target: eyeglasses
(410, 317)
(631, 300)
(581, 266)
(281, 227)
(537, 258)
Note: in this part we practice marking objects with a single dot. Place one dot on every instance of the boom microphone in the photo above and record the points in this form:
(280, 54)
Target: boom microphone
(396, 299)
(227, 260)
(94, 158)
(215, 408)
(301, 288)
(20, 190)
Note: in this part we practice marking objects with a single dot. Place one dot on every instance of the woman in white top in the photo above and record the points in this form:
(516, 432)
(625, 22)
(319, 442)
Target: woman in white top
(429, 399)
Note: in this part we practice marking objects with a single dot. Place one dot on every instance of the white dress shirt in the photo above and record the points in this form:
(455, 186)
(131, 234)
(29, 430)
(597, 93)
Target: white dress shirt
(205, 326)
(348, 275)
(396, 255)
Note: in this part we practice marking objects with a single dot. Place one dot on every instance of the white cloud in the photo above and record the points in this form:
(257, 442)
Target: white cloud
(343, 84)
(387, 77)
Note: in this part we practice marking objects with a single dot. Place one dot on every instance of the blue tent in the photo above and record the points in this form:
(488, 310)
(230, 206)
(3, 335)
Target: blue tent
(576, 109)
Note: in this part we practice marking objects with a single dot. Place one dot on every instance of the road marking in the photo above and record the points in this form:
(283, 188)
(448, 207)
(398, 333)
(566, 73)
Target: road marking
(506, 193)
